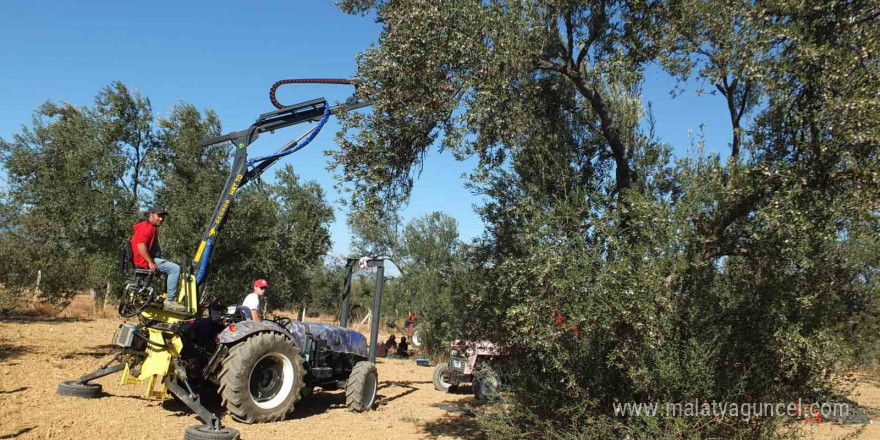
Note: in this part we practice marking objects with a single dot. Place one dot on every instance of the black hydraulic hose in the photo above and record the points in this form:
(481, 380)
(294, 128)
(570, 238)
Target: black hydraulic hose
(141, 335)
(279, 106)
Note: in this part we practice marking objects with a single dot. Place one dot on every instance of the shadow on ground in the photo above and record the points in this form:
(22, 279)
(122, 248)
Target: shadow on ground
(459, 422)
(8, 351)
(407, 386)
(17, 390)
(91, 354)
(455, 426)
(16, 434)
(318, 403)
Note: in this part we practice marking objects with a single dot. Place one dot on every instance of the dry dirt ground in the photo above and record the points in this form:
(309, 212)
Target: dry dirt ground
(38, 352)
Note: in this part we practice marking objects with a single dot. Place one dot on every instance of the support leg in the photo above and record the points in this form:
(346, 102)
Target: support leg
(192, 402)
(101, 372)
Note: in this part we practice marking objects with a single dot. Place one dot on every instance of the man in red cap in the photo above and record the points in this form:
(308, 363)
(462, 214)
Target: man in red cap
(253, 300)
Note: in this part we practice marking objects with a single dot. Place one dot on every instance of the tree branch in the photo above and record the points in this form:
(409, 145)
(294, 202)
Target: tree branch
(569, 31)
(594, 27)
(728, 89)
(623, 172)
(716, 229)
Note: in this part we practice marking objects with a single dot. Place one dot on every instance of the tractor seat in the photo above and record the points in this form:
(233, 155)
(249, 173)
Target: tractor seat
(126, 261)
(245, 312)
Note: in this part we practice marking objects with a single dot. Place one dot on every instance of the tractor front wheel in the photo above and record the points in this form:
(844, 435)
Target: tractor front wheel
(361, 387)
(262, 378)
(441, 377)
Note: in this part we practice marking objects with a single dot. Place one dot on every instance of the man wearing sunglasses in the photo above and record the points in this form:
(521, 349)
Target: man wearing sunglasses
(254, 299)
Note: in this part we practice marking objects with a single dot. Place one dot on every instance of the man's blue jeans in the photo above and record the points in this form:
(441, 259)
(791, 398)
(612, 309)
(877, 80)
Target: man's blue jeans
(172, 272)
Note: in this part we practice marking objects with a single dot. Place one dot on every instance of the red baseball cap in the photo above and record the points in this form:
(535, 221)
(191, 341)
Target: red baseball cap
(261, 283)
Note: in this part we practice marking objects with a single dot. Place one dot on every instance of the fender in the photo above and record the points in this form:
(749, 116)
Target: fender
(244, 329)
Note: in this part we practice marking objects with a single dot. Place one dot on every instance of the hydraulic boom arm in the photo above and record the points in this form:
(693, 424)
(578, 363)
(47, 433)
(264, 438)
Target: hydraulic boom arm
(244, 170)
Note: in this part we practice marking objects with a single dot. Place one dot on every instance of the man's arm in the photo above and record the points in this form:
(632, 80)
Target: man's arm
(255, 315)
(142, 249)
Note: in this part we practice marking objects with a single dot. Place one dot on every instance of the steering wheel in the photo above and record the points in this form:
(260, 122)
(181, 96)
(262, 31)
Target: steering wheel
(282, 321)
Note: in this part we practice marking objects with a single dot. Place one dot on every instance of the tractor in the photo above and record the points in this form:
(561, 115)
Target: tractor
(469, 362)
(260, 369)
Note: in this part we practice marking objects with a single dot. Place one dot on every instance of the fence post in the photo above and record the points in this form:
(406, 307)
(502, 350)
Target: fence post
(36, 298)
(106, 296)
(93, 293)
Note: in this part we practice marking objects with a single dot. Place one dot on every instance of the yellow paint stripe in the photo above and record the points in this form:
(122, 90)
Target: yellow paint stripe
(199, 252)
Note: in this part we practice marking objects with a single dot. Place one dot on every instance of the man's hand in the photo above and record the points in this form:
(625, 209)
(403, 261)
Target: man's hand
(145, 253)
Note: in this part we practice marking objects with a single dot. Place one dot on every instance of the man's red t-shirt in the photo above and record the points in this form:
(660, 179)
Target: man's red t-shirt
(144, 232)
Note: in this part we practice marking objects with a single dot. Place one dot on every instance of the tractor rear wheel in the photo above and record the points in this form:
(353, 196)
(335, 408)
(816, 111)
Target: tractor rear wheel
(361, 387)
(262, 378)
(78, 389)
(204, 432)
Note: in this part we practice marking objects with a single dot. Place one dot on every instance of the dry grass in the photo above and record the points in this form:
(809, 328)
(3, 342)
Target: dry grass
(80, 306)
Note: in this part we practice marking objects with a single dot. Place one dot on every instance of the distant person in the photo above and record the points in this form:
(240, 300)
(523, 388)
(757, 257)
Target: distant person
(403, 347)
(390, 343)
(410, 321)
(381, 350)
(146, 250)
(254, 299)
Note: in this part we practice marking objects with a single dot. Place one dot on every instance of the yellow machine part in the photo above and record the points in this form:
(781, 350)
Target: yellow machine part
(187, 293)
(158, 361)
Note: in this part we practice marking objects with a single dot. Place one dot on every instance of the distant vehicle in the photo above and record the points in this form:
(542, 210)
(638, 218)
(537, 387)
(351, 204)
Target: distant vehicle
(470, 362)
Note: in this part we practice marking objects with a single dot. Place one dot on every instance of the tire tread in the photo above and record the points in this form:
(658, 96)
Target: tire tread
(234, 386)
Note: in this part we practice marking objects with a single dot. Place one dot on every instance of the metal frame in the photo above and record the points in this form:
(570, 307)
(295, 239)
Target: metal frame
(346, 292)
(379, 264)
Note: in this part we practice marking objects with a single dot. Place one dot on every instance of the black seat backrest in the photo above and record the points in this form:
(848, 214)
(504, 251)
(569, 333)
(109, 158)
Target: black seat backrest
(126, 257)
(245, 312)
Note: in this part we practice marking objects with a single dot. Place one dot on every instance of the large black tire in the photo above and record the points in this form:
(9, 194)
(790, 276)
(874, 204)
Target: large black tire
(441, 377)
(75, 389)
(203, 432)
(262, 378)
(485, 385)
(361, 387)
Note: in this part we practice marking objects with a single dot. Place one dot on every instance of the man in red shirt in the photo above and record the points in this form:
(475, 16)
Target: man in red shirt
(146, 249)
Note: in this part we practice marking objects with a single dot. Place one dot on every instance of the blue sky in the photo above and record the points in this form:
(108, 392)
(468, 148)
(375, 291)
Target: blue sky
(224, 55)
